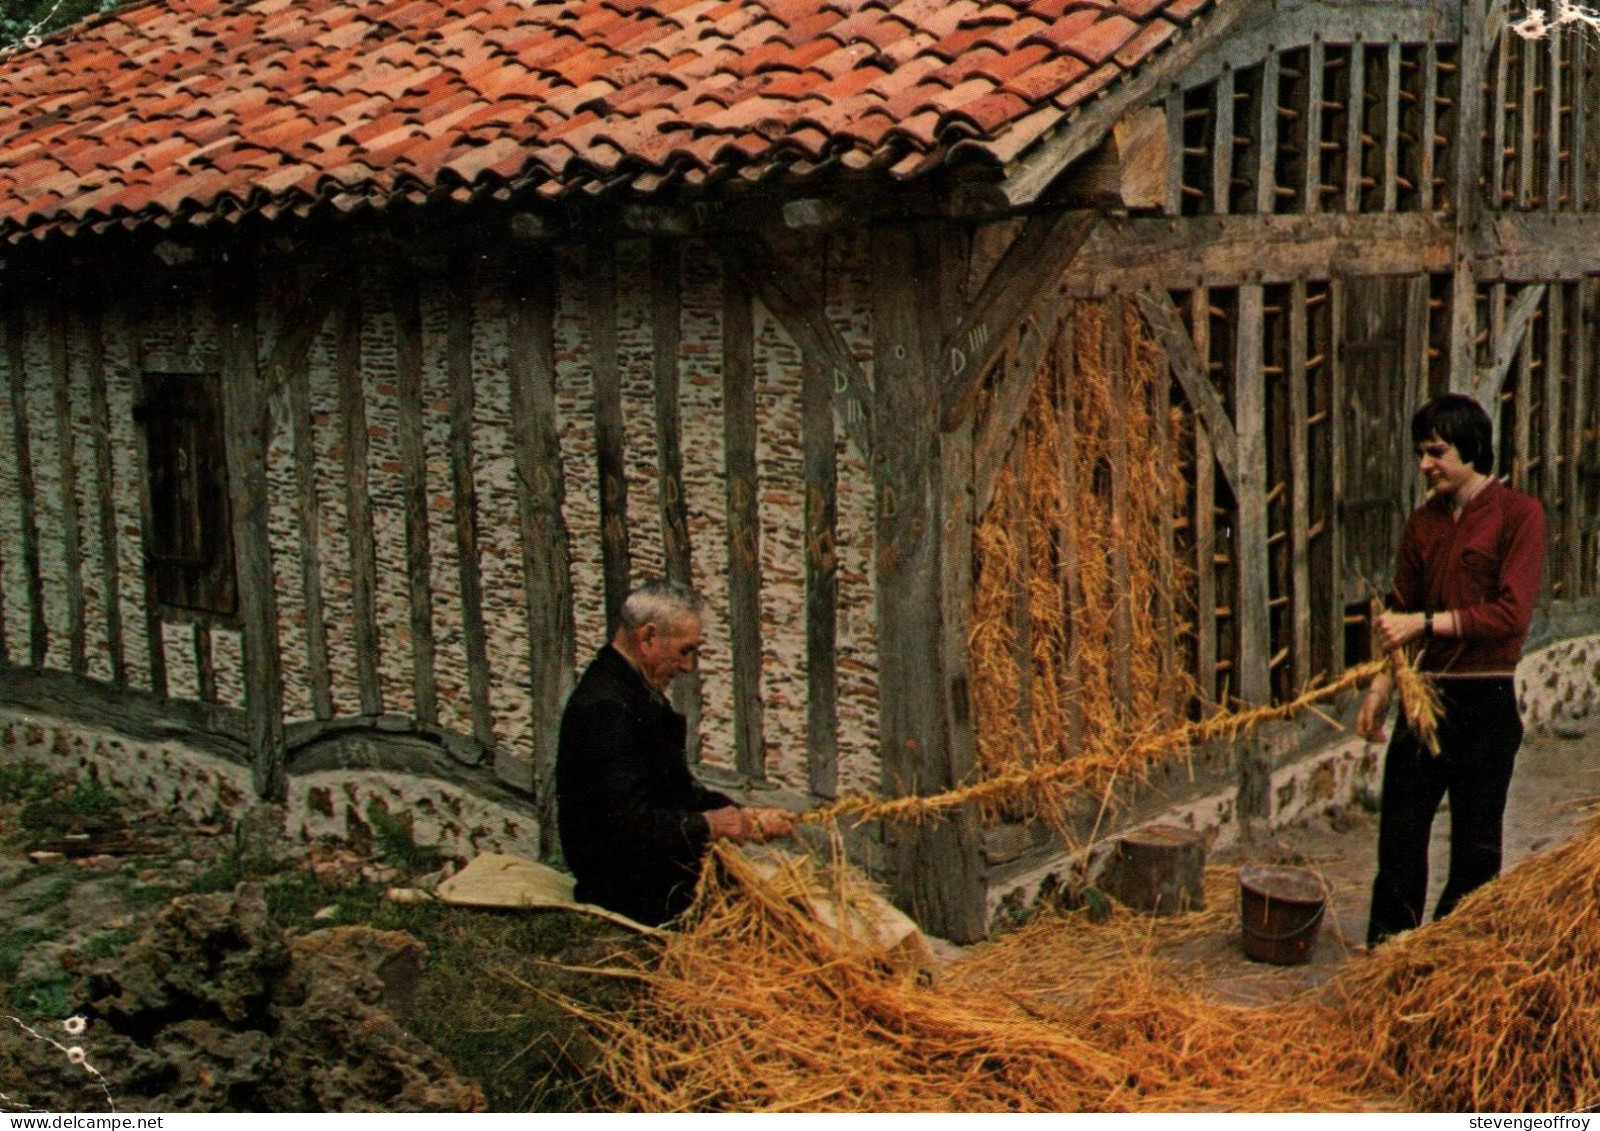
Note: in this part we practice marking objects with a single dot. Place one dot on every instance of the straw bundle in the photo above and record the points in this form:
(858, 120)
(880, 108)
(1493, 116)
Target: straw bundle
(755, 1006)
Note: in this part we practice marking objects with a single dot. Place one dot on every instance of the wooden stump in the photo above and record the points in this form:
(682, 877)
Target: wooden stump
(1159, 869)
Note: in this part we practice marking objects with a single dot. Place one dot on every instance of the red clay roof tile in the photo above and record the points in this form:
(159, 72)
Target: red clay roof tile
(211, 108)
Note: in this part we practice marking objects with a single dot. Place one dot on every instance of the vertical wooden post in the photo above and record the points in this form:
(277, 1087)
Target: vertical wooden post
(1497, 107)
(1071, 574)
(205, 668)
(1250, 545)
(38, 630)
(608, 433)
(1021, 618)
(1528, 126)
(72, 547)
(935, 867)
(1391, 128)
(298, 380)
(1121, 565)
(458, 350)
(1550, 428)
(1222, 146)
(822, 565)
(1355, 126)
(1316, 102)
(1430, 128)
(414, 468)
(666, 312)
(358, 506)
(1205, 502)
(100, 417)
(1299, 487)
(541, 493)
(246, 424)
(1334, 609)
(1553, 139)
(1466, 200)
(1580, 130)
(1267, 137)
(1572, 525)
(744, 522)
(155, 642)
(1414, 382)
(1173, 107)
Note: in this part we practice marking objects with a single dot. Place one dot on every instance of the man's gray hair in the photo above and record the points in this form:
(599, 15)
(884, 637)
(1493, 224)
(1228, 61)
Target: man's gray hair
(661, 603)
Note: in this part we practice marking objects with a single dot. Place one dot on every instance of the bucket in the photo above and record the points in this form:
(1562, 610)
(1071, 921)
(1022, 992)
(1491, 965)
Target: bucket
(1281, 909)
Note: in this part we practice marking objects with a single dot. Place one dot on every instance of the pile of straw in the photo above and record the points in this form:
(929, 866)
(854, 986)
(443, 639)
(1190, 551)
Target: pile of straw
(755, 1006)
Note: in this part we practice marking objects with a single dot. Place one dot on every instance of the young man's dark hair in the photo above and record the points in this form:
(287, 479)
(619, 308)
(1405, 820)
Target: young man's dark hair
(1458, 420)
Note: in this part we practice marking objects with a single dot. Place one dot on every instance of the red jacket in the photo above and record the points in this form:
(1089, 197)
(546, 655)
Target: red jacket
(1484, 566)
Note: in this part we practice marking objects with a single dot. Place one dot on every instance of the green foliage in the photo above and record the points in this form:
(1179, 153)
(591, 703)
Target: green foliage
(108, 944)
(20, 18)
(26, 781)
(17, 942)
(51, 895)
(397, 843)
(90, 799)
(44, 997)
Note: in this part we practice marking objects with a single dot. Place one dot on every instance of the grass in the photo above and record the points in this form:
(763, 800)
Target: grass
(53, 894)
(26, 780)
(16, 942)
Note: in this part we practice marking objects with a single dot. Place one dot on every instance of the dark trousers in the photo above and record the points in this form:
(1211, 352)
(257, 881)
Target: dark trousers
(1478, 739)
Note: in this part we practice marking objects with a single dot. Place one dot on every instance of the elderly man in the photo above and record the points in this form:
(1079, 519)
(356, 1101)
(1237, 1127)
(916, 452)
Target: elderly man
(634, 823)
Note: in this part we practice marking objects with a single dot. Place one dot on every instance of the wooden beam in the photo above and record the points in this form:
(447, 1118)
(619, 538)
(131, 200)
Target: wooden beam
(458, 354)
(1222, 145)
(666, 313)
(155, 641)
(1391, 128)
(1555, 362)
(822, 571)
(1115, 355)
(1528, 124)
(412, 434)
(1552, 129)
(935, 867)
(1070, 573)
(38, 628)
(247, 421)
(1316, 76)
(1154, 252)
(1034, 263)
(1582, 363)
(609, 439)
(801, 309)
(1428, 150)
(1355, 127)
(1299, 489)
(1580, 128)
(1205, 501)
(205, 668)
(1413, 379)
(1009, 401)
(1251, 543)
(1267, 138)
(105, 493)
(1333, 610)
(294, 371)
(1192, 374)
(1467, 201)
(71, 532)
(307, 312)
(744, 523)
(1174, 111)
(358, 505)
(541, 494)
(1493, 378)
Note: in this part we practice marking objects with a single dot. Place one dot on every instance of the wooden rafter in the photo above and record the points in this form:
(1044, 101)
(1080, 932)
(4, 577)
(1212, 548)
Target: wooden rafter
(1492, 378)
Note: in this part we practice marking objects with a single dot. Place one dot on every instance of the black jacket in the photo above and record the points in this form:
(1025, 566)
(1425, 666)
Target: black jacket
(630, 813)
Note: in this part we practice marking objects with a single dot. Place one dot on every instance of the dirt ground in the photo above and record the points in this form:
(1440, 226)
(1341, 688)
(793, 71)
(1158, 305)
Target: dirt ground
(1557, 778)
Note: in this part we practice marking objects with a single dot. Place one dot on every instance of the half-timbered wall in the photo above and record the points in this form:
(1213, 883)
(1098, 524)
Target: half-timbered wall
(400, 461)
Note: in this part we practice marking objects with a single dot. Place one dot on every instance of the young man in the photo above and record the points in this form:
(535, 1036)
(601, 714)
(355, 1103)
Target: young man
(1466, 578)
(634, 822)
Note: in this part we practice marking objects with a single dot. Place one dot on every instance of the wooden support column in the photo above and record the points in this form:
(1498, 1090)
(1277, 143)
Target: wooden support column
(1527, 125)
(1334, 609)
(358, 506)
(1115, 347)
(1550, 427)
(205, 668)
(1391, 128)
(1355, 126)
(38, 630)
(414, 469)
(744, 523)
(1467, 198)
(822, 564)
(1552, 135)
(666, 312)
(1316, 75)
(1252, 614)
(1266, 171)
(1071, 575)
(1580, 129)
(1205, 503)
(541, 493)
(1172, 106)
(1428, 149)
(247, 420)
(1300, 489)
(1222, 145)
(458, 349)
(72, 546)
(609, 439)
(100, 424)
(935, 866)
(1572, 519)
(295, 372)
(155, 642)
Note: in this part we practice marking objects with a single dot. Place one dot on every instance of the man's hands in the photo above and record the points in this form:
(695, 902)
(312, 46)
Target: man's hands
(1374, 710)
(742, 825)
(1396, 630)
